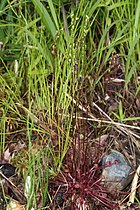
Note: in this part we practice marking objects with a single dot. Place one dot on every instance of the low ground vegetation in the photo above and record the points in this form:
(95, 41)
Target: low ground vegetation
(69, 94)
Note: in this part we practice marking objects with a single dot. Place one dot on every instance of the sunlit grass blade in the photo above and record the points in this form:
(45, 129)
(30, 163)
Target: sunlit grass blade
(45, 17)
(53, 13)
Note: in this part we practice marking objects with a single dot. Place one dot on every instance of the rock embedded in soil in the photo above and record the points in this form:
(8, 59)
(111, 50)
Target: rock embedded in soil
(9, 184)
(117, 172)
(7, 169)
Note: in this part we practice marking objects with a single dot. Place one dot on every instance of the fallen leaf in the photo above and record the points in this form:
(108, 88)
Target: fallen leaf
(6, 156)
(102, 139)
(15, 205)
(138, 103)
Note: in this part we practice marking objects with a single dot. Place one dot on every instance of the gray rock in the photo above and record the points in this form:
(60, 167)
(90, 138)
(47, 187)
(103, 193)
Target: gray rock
(117, 172)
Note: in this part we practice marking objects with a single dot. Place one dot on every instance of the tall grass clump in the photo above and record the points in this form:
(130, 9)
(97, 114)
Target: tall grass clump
(54, 60)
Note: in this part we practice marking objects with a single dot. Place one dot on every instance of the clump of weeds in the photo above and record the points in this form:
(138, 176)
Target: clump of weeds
(79, 185)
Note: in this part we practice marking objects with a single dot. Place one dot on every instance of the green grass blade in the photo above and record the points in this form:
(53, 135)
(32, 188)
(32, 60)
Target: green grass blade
(2, 5)
(53, 13)
(45, 17)
(137, 16)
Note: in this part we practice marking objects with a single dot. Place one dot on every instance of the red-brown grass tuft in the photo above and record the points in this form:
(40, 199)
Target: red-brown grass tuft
(80, 182)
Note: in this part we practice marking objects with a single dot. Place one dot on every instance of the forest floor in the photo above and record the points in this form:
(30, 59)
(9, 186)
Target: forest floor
(69, 98)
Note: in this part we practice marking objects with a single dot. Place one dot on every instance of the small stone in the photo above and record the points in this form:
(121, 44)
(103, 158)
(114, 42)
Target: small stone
(7, 169)
(117, 172)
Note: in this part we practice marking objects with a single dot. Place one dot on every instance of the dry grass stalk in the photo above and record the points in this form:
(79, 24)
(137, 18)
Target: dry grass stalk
(134, 185)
